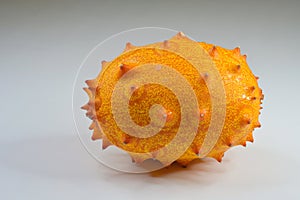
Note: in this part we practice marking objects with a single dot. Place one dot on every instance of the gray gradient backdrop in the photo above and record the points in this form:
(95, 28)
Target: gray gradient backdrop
(42, 46)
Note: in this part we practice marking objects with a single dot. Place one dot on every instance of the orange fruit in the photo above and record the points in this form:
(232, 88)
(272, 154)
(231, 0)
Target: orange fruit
(243, 99)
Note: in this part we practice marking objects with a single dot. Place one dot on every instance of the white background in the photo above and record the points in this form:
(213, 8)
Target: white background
(43, 44)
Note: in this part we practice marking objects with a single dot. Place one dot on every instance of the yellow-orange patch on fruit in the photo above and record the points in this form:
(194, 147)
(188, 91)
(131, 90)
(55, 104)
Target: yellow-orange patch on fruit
(243, 99)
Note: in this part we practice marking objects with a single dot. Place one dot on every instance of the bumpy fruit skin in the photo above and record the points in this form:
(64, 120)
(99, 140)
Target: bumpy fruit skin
(243, 102)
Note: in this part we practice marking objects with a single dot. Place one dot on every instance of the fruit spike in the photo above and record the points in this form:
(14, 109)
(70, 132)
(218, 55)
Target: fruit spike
(237, 51)
(213, 51)
(128, 46)
(243, 101)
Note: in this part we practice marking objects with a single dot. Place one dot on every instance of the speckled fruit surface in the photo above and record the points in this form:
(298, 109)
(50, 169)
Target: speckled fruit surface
(243, 102)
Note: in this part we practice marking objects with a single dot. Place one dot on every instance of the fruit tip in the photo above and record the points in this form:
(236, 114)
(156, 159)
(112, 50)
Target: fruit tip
(181, 34)
(85, 107)
(213, 51)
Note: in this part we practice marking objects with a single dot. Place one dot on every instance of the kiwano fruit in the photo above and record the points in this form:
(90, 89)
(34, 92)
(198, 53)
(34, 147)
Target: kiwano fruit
(242, 101)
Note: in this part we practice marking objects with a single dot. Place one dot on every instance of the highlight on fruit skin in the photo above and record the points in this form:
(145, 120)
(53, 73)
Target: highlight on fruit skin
(243, 102)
